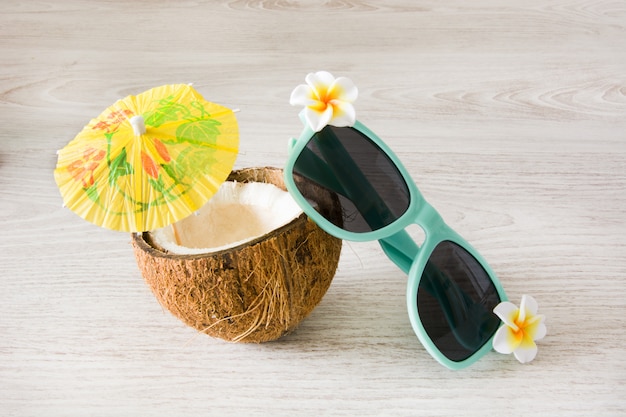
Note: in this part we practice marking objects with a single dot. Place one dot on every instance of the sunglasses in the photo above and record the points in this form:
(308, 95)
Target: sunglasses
(451, 290)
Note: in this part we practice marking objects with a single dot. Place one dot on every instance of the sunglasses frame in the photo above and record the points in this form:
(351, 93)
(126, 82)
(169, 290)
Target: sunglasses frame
(396, 242)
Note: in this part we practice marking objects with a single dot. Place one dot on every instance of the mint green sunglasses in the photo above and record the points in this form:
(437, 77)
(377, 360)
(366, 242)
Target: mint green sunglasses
(451, 290)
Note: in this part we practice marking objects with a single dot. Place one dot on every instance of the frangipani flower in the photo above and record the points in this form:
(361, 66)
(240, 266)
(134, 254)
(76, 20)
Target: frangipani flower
(327, 100)
(522, 327)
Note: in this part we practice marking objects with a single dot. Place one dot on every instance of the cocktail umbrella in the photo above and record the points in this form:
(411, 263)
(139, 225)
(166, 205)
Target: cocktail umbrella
(148, 160)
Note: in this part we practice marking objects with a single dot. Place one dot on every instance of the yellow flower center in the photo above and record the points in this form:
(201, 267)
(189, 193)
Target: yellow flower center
(518, 331)
(325, 96)
(320, 106)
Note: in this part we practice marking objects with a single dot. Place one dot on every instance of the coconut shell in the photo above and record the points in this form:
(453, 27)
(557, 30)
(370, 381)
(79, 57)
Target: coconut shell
(255, 292)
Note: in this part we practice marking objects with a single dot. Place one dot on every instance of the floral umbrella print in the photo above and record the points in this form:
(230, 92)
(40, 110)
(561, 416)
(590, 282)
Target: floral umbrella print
(148, 160)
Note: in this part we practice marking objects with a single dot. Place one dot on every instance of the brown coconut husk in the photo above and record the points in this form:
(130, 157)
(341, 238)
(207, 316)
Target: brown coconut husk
(255, 292)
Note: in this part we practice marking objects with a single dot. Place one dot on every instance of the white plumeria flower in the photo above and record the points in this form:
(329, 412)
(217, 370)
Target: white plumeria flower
(522, 327)
(327, 100)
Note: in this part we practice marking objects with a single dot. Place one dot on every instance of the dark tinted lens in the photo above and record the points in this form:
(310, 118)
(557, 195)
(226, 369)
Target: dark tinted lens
(371, 190)
(455, 302)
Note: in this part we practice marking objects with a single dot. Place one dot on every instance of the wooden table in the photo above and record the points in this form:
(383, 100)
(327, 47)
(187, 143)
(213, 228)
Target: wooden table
(510, 116)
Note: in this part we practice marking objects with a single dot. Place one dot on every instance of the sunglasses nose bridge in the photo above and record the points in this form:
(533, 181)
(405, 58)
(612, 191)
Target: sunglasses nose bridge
(428, 218)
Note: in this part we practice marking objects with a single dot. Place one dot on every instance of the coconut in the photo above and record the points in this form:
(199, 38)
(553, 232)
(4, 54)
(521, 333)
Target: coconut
(250, 266)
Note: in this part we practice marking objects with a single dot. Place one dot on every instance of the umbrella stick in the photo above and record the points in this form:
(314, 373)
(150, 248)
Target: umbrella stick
(176, 235)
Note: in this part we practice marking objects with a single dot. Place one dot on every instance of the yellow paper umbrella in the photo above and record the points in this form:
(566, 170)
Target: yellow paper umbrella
(148, 160)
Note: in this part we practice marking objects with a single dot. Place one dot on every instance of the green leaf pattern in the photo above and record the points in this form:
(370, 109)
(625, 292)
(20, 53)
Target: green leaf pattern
(196, 129)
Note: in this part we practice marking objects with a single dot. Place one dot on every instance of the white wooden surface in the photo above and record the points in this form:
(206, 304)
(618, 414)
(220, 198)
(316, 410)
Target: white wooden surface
(511, 116)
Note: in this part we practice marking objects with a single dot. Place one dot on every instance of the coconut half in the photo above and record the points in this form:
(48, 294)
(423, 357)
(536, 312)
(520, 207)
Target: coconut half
(250, 266)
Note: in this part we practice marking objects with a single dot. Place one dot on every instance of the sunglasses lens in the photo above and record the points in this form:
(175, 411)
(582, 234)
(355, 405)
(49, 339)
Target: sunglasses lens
(371, 189)
(455, 302)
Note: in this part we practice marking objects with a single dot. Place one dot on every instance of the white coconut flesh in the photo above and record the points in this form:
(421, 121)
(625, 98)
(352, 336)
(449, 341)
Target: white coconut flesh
(236, 214)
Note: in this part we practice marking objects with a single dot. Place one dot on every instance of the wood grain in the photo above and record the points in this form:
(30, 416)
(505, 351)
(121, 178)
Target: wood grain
(510, 116)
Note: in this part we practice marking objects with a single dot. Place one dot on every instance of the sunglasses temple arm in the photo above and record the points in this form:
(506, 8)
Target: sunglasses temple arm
(355, 184)
(313, 167)
(462, 314)
(401, 249)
